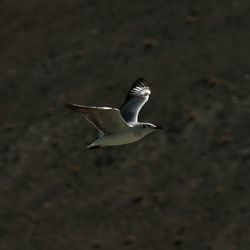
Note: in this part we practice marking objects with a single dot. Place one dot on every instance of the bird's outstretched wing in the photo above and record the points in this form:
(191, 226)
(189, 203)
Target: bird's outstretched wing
(137, 96)
(105, 119)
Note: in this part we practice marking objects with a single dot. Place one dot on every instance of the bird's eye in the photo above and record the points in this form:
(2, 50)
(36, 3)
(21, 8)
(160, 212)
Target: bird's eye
(144, 126)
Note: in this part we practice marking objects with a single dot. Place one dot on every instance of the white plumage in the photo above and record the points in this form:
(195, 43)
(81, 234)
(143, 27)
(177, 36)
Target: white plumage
(119, 126)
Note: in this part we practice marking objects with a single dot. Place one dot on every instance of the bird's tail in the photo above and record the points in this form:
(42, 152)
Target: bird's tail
(96, 144)
(93, 147)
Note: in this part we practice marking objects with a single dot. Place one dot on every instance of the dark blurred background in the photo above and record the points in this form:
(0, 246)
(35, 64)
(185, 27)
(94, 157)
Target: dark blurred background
(184, 188)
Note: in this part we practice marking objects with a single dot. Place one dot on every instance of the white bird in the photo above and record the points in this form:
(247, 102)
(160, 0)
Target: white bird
(119, 126)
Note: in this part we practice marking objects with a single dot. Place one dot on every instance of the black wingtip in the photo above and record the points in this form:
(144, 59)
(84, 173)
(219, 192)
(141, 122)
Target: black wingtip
(140, 81)
(70, 106)
(74, 107)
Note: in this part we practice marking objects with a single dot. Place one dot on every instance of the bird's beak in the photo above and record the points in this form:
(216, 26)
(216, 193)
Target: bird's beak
(158, 127)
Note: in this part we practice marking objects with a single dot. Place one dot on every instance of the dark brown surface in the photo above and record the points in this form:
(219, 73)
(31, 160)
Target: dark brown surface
(184, 188)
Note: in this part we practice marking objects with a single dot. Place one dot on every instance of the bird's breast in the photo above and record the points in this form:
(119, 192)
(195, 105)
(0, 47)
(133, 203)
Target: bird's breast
(121, 138)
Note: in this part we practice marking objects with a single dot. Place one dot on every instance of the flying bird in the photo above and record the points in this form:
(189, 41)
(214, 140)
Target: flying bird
(119, 126)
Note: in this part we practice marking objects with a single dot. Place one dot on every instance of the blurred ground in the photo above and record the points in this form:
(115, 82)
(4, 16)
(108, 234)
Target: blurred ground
(186, 188)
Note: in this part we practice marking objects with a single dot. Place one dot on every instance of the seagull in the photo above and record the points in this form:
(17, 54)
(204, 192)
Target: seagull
(119, 126)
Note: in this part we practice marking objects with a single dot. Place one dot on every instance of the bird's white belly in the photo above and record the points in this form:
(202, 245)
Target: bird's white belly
(119, 138)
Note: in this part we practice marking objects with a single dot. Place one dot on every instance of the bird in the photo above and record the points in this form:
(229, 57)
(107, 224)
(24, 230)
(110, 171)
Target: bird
(119, 126)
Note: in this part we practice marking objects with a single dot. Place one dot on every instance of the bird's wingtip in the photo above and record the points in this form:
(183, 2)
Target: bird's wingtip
(68, 105)
(71, 106)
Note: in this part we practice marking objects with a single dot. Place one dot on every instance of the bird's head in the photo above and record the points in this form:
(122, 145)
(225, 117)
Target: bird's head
(149, 128)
